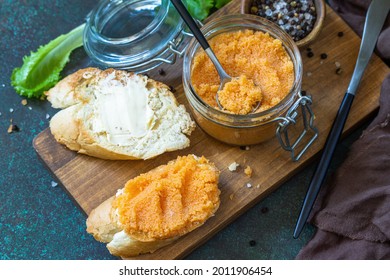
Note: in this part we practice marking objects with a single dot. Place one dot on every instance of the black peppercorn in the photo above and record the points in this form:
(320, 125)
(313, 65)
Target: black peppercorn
(339, 71)
(310, 54)
(340, 34)
(161, 72)
(252, 243)
(287, 14)
(324, 56)
(264, 210)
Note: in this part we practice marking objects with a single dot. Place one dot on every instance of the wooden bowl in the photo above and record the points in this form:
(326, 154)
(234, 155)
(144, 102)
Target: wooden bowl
(320, 9)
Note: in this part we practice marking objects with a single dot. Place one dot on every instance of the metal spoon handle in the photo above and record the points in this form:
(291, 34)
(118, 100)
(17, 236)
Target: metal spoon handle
(375, 18)
(182, 10)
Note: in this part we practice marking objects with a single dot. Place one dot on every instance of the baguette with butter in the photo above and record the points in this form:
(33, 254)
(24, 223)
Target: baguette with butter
(156, 208)
(118, 115)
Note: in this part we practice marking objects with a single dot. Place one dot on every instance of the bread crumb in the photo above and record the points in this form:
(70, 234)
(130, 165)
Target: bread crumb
(248, 171)
(258, 186)
(233, 166)
(231, 196)
(24, 102)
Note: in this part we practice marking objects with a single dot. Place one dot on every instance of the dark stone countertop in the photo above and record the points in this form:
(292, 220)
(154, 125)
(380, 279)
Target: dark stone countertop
(39, 221)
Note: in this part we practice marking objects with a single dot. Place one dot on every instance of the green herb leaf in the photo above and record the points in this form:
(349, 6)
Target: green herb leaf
(41, 69)
(221, 3)
(199, 9)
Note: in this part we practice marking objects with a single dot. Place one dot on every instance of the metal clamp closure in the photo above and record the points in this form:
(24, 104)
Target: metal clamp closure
(173, 48)
(290, 118)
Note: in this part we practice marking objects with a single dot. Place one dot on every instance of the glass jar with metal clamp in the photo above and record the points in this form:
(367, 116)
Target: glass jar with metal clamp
(136, 35)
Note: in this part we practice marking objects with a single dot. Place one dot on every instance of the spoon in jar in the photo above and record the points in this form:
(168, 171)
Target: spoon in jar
(224, 77)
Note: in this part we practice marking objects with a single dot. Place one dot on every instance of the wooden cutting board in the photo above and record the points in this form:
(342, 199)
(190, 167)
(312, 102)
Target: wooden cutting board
(89, 181)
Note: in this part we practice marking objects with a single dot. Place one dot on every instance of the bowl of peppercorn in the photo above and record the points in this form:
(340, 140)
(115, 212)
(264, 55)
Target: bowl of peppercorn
(301, 19)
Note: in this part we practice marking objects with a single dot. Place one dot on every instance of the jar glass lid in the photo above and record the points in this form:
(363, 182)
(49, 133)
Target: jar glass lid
(131, 34)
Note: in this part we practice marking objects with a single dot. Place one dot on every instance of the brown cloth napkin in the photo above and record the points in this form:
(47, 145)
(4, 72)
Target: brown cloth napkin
(352, 212)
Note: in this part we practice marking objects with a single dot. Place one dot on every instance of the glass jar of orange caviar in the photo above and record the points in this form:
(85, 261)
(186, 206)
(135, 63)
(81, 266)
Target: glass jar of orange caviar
(291, 116)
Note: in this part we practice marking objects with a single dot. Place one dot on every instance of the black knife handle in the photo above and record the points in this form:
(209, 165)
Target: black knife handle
(323, 166)
(182, 10)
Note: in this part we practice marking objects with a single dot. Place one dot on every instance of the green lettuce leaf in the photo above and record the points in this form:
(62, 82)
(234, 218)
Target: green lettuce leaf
(41, 69)
(199, 9)
(221, 3)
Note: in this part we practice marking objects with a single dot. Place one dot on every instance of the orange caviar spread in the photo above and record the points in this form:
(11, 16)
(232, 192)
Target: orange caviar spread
(170, 200)
(257, 55)
(240, 95)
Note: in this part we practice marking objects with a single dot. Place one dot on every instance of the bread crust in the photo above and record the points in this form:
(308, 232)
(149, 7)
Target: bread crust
(71, 126)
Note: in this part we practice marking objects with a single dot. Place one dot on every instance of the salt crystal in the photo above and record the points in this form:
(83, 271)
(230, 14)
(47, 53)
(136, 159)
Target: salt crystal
(0, 114)
(29, 107)
(54, 184)
(309, 74)
(47, 116)
(280, 22)
(248, 185)
(3, 85)
(337, 64)
(268, 12)
(307, 16)
(11, 110)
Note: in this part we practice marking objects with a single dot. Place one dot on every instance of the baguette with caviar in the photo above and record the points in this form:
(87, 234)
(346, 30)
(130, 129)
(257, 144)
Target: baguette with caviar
(115, 114)
(156, 208)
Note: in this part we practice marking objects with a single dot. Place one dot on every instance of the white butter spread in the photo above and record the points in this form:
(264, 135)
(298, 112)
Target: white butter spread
(122, 110)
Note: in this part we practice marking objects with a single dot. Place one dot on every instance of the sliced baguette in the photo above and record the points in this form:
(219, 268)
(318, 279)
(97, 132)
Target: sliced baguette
(156, 208)
(81, 125)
